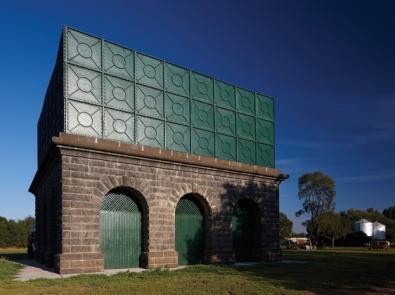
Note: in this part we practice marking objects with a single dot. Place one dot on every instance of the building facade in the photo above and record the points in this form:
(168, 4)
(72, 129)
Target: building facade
(142, 163)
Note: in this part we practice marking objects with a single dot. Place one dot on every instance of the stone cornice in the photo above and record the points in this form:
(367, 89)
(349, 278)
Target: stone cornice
(117, 147)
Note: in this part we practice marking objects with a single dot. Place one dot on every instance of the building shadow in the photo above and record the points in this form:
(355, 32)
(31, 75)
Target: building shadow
(248, 221)
(25, 260)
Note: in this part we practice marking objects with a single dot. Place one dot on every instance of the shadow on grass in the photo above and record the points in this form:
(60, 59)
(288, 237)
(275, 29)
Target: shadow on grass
(331, 270)
(322, 271)
(14, 255)
(23, 259)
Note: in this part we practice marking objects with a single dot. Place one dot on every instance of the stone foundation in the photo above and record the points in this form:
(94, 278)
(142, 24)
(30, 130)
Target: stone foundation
(79, 171)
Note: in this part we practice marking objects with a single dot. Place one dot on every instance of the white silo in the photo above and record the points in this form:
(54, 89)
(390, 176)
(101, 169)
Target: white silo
(364, 226)
(378, 231)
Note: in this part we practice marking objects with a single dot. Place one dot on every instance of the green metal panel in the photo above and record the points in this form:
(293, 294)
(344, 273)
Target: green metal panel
(245, 101)
(149, 102)
(243, 233)
(118, 125)
(264, 105)
(84, 119)
(202, 142)
(177, 109)
(265, 155)
(149, 71)
(109, 91)
(224, 95)
(245, 126)
(150, 132)
(178, 137)
(176, 80)
(264, 131)
(118, 94)
(118, 61)
(201, 87)
(246, 151)
(83, 85)
(83, 50)
(225, 147)
(121, 231)
(189, 232)
(225, 121)
(202, 115)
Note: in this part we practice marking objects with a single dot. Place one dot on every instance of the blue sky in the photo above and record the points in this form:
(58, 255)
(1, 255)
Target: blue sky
(329, 64)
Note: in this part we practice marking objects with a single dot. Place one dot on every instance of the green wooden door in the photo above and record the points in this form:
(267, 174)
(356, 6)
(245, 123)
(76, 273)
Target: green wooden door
(120, 220)
(189, 232)
(243, 233)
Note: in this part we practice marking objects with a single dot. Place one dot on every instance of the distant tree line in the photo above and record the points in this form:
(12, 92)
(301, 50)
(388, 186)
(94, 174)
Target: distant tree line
(15, 233)
(325, 226)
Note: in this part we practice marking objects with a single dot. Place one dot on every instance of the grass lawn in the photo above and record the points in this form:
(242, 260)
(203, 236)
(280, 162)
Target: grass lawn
(324, 271)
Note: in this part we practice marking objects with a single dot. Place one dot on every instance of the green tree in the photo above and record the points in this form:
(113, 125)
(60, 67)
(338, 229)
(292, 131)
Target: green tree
(334, 226)
(317, 191)
(5, 235)
(13, 229)
(285, 226)
(389, 212)
(15, 233)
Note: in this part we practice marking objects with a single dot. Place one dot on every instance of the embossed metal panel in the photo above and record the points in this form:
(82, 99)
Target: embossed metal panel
(105, 90)
(118, 61)
(265, 155)
(225, 147)
(245, 101)
(118, 93)
(225, 121)
(149, 102)
(177, 109)
(224, 95)
(150, 132)
(202, 142)
(202, 115)
(201, 87)
(264, 131)
(178, 137)
(246, 151)
(84, 119)
(83, 84)
(245, 126)
(176, 80)
(264, 107)
(118, 125)
(149, 71)
(83, 50)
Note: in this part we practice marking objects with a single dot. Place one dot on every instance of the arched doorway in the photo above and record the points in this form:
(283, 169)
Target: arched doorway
(245, 230)
(121, 229)
(190, 231)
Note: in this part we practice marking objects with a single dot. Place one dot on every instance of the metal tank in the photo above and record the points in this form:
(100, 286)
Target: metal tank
(378, 231)
(364, 226)
(104, 90)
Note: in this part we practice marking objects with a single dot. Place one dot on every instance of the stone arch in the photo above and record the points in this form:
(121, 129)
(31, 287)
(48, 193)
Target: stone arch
(143, 207)
(247, 230)
(203, 194)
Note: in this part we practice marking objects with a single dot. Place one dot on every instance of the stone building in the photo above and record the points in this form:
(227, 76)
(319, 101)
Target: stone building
(142, 163)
